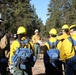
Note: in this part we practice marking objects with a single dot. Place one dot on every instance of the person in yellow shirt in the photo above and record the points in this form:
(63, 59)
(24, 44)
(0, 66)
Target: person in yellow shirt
(65, 33)
(56, 67)
(14, 46)
(36, 39)
(67, 52)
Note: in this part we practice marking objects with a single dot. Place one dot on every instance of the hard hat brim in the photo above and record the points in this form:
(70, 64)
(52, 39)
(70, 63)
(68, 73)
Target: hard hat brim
(71, 27)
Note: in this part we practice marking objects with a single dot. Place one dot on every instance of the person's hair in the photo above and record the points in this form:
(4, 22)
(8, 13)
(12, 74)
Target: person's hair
(20, 36)
(66, 30)
(53, 35)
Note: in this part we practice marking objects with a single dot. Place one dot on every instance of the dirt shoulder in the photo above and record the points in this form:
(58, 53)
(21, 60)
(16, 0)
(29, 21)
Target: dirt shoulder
(39, 69)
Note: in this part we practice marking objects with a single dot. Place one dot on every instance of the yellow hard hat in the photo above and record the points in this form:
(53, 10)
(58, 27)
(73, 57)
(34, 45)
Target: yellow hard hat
(21, 30)
(53, 31)
(72, 26)
(65, 26)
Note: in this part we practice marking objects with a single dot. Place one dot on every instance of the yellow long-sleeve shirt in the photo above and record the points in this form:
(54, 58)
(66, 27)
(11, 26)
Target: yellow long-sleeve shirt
(13, 48)
(36, 38)
(65, 52)
(63, 36)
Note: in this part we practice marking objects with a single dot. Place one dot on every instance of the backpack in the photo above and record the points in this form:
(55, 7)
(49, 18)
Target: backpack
(53, 53)
(22, 56)
(72, 61)
(73, 44)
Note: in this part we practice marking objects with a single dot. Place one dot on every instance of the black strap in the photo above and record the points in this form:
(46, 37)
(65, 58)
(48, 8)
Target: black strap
(57, 41)
(23, 43)
(71, 39)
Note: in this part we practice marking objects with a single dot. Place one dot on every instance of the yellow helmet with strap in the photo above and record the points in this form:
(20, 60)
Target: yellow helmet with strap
(65, 26)
(53, 31)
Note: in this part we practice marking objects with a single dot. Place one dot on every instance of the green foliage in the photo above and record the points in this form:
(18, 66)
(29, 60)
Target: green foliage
(20, 13)
(61, 12)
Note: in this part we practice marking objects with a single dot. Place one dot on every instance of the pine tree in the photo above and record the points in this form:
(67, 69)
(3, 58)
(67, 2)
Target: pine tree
(59, 12)
(54, 14)
(20, 13)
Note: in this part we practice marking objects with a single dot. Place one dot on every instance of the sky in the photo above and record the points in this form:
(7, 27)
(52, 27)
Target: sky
(41, 8)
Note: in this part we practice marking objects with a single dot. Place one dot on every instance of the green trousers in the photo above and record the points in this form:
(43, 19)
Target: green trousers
(37, 50)
(19, 72)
